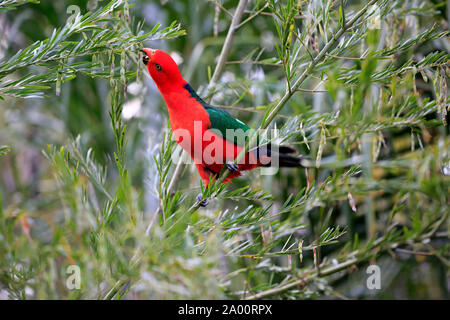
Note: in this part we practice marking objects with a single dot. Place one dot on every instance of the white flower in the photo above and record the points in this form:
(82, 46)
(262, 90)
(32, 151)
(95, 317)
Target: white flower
(131, 109)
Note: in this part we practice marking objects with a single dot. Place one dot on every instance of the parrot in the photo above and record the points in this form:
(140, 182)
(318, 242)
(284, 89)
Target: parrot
(202, 130)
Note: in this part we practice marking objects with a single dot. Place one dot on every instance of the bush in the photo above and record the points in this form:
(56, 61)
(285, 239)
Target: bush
(88, 178)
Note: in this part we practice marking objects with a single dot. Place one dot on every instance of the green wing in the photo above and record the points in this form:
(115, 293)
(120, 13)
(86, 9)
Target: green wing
(220, 119)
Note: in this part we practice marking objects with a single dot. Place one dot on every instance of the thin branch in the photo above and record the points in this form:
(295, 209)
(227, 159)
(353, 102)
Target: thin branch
(254, 62)
(419, 253)
(226, 49)
(177, 173)
(346, 58)
(308, 90)
(272, 14)
(248, 110)
(218, 4)
(253, 15)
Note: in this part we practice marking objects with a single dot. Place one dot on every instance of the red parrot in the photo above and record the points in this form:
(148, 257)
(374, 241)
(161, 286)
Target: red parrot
(203, 130)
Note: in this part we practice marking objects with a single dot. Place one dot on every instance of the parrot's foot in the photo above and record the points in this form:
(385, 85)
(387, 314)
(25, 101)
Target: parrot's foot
(201, 203)
(232, 167)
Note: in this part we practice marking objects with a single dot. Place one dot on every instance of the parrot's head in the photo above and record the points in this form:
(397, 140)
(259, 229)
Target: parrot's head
(162, 68)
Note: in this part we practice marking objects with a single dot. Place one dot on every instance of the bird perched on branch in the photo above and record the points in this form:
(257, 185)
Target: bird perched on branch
(211, 136)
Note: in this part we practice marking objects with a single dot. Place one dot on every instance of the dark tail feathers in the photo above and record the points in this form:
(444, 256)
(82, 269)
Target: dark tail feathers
(284, 155)
(289, 161)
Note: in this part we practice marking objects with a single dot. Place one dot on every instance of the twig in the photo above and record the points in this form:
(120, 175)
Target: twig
(419, 253)
(346, 58)
(226, 49)
(253, 15)
(248, 110)
(255, 62)
(272, 14)
(308, 90)
(177, 173)
(218, 4)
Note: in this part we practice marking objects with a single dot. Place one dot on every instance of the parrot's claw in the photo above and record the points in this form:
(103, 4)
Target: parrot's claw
(232, 167)
(201, 203)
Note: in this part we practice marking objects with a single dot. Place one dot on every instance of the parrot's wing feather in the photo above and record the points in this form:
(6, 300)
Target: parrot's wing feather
(221, 120)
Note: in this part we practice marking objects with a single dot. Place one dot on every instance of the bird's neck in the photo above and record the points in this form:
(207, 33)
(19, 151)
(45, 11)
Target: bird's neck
(185, 107)
(180, 96)
(174, 94)
(169, 87)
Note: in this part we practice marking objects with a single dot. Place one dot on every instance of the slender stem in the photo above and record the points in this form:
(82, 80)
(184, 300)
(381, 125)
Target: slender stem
(253, 15)
(177, 173)
(226, 49)
(217, 3)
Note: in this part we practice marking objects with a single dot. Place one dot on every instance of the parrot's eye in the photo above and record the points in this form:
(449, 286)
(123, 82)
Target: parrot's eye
(158, 67)
(145, 59)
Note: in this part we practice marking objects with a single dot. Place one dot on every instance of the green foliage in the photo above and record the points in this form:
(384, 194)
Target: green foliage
(366, 106)
(4, 150)
(13, 4)
(101, 35)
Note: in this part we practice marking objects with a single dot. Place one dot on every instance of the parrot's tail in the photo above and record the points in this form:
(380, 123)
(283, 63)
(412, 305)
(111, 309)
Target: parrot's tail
(286, 160)
(282, 156)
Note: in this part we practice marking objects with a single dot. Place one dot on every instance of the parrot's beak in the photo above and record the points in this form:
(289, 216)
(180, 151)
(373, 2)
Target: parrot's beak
(148, 52)
(145, 57)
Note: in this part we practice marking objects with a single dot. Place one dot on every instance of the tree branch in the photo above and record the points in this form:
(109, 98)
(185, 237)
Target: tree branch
(355, 257)
(226, 49)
